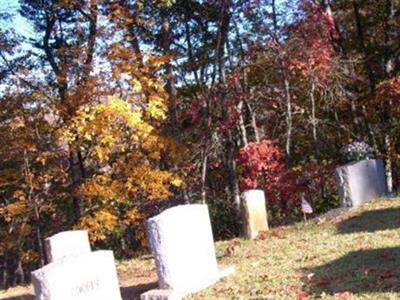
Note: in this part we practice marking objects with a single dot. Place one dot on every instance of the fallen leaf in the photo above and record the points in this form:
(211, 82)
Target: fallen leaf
(302, 295)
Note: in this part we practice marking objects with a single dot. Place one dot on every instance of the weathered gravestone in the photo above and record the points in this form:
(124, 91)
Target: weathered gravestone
(254, 213)
(67, 243)
(182, 243)
(361, 181)
(90, 276)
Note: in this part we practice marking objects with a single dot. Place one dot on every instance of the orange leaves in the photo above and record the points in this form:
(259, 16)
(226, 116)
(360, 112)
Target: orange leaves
(132, 215)
(105, 124)
(156, 108)
(13, 210)
(156, 61)
(388, 94)
(390, 88)
(124, 149)
(7, 244)
(99, 186)
(30, 256)
(16, 123)
(153, 182)
(99, 224)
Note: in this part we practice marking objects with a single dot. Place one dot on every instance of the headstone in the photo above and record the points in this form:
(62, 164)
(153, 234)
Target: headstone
(90, 276)
(159, 294)
(254, 213)
(361, 181)
(182, 243)
(67, 243)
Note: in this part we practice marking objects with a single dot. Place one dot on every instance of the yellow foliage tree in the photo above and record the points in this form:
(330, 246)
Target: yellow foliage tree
(123, 151)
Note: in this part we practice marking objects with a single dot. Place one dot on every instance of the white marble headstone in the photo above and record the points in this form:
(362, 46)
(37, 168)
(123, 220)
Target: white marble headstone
(67, 243)
(182, 243)
(90, 276)
(254, 213)
(361, 181)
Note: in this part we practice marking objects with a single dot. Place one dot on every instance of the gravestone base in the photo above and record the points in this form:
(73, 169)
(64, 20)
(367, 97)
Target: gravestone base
(159, 294)
(165, 294)
(226, 271)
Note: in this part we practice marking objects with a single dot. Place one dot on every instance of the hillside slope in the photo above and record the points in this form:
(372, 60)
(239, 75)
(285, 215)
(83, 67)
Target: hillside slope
(355, 256)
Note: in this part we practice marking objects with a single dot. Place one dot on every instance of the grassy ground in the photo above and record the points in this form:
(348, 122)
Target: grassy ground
(355, 256)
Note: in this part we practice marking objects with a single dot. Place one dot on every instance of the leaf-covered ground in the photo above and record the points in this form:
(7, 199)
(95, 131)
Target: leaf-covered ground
(355, 256)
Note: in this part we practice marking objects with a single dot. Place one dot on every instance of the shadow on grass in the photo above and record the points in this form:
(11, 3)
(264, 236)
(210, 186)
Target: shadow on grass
(21, 297)
(371, 221)
(127, 292)
(133, 292)
(365, 271)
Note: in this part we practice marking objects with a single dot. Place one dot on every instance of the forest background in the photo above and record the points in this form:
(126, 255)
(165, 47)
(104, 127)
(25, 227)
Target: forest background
(111, 111)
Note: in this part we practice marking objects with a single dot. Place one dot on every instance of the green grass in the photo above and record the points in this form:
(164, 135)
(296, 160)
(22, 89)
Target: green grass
(356, 256)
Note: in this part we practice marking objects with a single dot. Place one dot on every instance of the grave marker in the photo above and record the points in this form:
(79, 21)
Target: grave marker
(67, 243)
(90, 276)
(361, 181)
(182, 243)
(254, 213)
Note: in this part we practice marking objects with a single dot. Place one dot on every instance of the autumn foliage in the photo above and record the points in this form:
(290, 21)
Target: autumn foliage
(111, 111)
(264, 167)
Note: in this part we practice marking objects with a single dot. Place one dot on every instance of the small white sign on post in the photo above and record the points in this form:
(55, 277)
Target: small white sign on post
(67, 243)
(182, 243)
(90, 276)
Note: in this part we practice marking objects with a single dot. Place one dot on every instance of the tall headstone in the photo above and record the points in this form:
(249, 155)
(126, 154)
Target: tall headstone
(90, 276)
(361, 181)
(254, 213)
(182, 243)
(67, 243)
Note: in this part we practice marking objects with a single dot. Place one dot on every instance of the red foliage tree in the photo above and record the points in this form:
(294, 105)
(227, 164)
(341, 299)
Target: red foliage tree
(264, 167)
(313, 34)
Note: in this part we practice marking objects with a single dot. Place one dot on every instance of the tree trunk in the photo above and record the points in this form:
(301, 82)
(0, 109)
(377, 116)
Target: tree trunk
(188, 37)
(242, 125)
(222, 36)
(204, 158)
(253, 122)
(77, 174)
(289, 120)
(362, 46)
(313, 118)
(335, 34)
(166, 44)
(286, 84)
(19, 275)
(36, 220)
(389, 59)
(4, 271)
(388, 165)
(232, 171)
